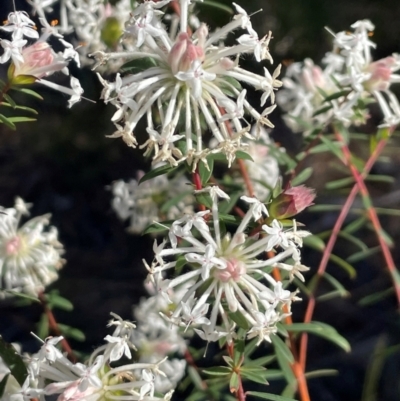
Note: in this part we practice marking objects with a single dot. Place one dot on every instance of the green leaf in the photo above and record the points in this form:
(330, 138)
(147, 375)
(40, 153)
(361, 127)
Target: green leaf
(156, 172)
(205, 171)
(243, 155)
(254, 374)
(10, 100)
(263, 361)
(71, 332)
(7, 122)
(234, 383)
(25, 108)
(13, 361)
(364, 254)
(218, 371)
(302, 177)
(314, 242)
(354, 240)
(344, 265)
(21, 295)
(282, 349)
(239, 319)
(333, 147)
(337, 184)
(217, 5)
(204, 199)
(138, 65)
(43, 326)
(336, 284)
(336, 95)
(196, 379)
(321, 373)
(158, 227)
(355, 225)
(29, 92)
(227, 205)
(322, 330)
(376, 297)
(322, 110)
(21, 119)
(55, 300)
(267, 396)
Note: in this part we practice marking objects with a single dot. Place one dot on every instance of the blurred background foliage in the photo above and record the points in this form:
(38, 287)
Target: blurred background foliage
(63, 165)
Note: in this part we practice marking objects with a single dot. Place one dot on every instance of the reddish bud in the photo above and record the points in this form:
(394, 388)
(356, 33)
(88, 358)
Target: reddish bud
(291, 202)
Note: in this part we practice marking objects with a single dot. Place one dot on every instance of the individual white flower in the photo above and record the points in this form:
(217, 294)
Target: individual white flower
(119, 348)
(20, 25)
(230, 268)
(191, 79)
(30, 255)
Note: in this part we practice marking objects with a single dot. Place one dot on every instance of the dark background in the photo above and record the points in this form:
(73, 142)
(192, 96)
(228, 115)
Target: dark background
(63, 165)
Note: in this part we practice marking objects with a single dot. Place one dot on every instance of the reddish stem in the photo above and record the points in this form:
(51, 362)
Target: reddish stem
(329, 247)
(197, 183)
(55, 329)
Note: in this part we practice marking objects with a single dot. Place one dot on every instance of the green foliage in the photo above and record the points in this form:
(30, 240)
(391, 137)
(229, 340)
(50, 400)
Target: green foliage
(13, 361)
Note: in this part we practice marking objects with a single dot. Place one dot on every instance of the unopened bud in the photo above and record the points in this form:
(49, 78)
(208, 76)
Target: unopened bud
(381, 71)
(291, 202)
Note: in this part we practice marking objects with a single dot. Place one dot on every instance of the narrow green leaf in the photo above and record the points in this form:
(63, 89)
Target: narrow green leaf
(43, 326)
(196, 379)
(10, 100)
(138, 65)
(204, 199)
(206, 171)
(282, 349)
(341, 183)
(7, 122)
(321, 373)
(329, 295)
(13, 361)
(24, 80)
(3, 384)
(376, 297)
(156, 172)
(226, 206)
(336, 95)
(21, 119)
(72, 332)
(240, 154)
(344, 265)
(25, 108)
(336, 284)
(256, 374)
(29, 92)
(355, 225)
(380, 178)
(263, 361)
(302, 177)
(354, 240)
(234, 383)
(239, 319)
(322, 110)
(21, 295)
(334, 147)
(322, 330)
(314, 242)
(267, 396)
(56, 300)
(217, 5)
(158, 227)
(218, 371)
(363, 255)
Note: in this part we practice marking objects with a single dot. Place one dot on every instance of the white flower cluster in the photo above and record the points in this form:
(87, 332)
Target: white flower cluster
(155, 339)
(229, 273)
(350, 72)
(142, 203)
(30, 254)
(97, 25)
(188, 79)
(51, 373)
(263, 170)
(38, 60)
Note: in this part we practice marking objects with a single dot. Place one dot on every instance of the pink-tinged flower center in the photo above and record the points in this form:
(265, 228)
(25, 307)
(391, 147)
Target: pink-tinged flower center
(13, 246)
(183, 53)
(233, 271)
(36, 56)
(381, 72)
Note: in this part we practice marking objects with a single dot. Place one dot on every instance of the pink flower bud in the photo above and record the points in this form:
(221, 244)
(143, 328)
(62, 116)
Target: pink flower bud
(312, 76)
(381, 71)
(291, 202)
(183, 53)
(201, 34)
(39, 61)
